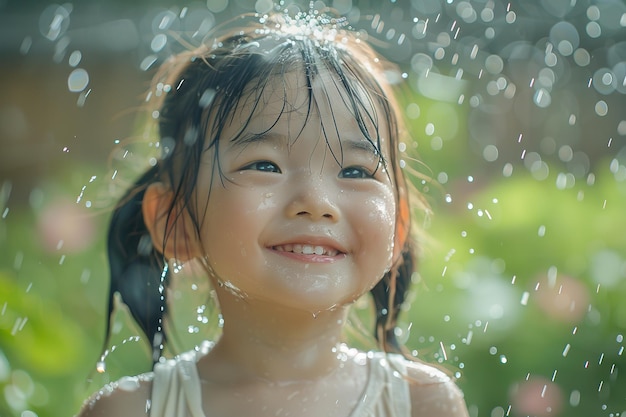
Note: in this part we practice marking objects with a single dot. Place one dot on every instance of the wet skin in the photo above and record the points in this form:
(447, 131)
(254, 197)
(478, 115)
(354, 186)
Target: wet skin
(304, 217)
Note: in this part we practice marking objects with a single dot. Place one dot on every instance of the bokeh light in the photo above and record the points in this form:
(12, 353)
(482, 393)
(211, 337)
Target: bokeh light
(516, 110)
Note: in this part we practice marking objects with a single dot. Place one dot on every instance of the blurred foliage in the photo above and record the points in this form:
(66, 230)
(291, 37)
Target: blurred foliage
(520, 292)
(538, 286)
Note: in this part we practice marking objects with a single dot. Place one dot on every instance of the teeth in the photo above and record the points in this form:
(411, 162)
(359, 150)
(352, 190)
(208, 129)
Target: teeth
(307, 249)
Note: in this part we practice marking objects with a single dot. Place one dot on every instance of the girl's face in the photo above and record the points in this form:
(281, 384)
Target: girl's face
(304, 214)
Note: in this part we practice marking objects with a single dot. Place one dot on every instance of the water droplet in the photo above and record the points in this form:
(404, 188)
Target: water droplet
(101, 367)
(542, 98)
(54, 21)
(593, 29)
(25, 45)
(77, 80)
(430, 129)
(490, 153)
(564, 181)
(158, 42)
(510, 17)
(436, 143)
(525, 296)
(443, 351)
(601, 108)
(582, 58)
(147, 62)
(217, 6)
(207, 98)
(75, 58)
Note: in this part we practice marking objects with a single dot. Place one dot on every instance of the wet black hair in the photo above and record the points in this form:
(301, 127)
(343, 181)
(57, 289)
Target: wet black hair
(200, 92)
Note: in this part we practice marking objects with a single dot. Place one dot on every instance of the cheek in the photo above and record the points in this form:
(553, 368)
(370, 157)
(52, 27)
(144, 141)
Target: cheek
(379, 221)
(266, 201)
(234, 220)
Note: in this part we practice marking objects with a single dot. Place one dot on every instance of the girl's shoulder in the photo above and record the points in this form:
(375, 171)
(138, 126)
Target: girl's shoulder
(127, 397)
(432, 391)
(132, 396)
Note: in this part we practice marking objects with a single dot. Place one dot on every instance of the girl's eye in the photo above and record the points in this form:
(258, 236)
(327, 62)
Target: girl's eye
(355, 172)
(265, 166)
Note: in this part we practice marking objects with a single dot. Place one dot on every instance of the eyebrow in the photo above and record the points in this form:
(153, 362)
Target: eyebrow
(246, 139)
(243, 140)
(361, 145)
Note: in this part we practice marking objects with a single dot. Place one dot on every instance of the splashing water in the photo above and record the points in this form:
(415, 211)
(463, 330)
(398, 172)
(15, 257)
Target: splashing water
(101, 366)
(523, 98)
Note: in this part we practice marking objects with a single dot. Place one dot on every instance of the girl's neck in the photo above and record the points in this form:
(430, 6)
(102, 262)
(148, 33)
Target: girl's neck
(268, 342)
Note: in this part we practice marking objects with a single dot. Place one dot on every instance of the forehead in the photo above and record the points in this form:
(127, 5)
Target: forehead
(292, 100)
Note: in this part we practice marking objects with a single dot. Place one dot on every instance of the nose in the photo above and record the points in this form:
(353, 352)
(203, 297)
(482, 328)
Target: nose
(314, 201)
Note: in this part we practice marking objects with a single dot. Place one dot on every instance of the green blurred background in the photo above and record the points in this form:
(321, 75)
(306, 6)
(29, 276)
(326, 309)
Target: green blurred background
(519, 116)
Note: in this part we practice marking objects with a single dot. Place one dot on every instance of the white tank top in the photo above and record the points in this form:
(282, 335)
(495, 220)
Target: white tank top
(176, 387)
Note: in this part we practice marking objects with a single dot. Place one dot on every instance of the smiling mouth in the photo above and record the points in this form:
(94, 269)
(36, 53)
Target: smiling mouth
(307, 249)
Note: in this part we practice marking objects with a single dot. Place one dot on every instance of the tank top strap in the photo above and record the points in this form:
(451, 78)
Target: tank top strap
(386, 393)
(176, 388)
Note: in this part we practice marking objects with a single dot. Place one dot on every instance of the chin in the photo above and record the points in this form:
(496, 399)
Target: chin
(319, 298)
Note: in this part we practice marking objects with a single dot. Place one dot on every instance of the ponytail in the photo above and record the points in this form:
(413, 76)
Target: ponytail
(389, 294)
(138, 272)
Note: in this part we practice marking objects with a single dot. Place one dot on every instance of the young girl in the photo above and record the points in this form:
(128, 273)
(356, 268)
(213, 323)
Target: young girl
(280, 175)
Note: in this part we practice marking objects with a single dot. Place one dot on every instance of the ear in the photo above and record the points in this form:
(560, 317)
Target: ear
(169, 224)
